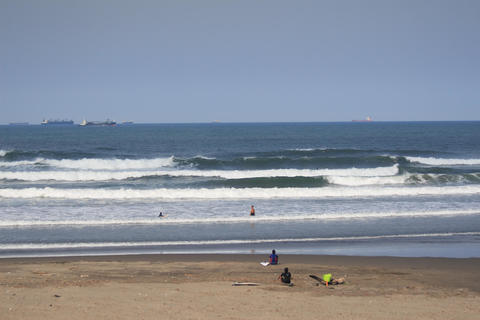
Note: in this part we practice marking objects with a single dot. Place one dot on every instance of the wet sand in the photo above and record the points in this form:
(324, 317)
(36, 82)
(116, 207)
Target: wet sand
(200, 287)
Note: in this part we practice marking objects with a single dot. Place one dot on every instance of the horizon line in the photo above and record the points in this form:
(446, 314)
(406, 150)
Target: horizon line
(26, 123)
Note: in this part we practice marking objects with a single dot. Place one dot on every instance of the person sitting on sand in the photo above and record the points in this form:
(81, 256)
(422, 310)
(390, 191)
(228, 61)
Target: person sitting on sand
(285, 276)
(273, 258)
(252, 211)
(334, 281)
(327, 279)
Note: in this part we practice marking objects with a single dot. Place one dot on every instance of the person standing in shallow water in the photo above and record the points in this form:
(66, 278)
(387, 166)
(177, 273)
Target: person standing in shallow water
(252, 210)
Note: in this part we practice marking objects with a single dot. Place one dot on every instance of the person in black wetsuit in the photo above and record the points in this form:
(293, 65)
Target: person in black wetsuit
(286, 276)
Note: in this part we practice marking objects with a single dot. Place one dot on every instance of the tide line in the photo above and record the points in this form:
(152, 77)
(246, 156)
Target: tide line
(40, 246)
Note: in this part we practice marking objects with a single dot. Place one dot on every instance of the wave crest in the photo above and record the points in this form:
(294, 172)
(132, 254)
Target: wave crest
(235, 193)
(225, 174)
(3, 153)
(111, 164)
(443, 161)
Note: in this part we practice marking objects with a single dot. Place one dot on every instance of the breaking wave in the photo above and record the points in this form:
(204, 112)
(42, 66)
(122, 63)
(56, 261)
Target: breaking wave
(237, 193)
(20, 163)
(443, 162)
(226, 174)
(364, 181)
(110, 164)
(287, 161)
(94, 163)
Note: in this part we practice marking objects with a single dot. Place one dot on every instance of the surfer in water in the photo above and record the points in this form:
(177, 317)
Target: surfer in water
(252, 210)
(161, 215)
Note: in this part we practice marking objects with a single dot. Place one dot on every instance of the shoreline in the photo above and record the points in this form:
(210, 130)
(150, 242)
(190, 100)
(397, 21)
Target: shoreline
(388, 261)
(463, 247)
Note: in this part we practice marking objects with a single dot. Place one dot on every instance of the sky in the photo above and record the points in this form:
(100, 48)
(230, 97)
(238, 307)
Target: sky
(159, 61)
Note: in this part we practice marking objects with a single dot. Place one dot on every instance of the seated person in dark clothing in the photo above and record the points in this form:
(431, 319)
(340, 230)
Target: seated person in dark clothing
(285, 276)
(273, 258)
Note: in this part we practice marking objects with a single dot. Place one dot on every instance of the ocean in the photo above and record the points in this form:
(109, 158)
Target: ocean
(378, 188)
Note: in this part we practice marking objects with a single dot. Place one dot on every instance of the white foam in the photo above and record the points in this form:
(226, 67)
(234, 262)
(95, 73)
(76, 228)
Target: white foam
(443, 162)
(244, 174)
(111, 164)
(3, 153)
(231, 220)
(238, 193)
(364, 181)
(311, 149)
(76, 175)
(39, 246)
(95, 175)
(21, 163)
(199, 156)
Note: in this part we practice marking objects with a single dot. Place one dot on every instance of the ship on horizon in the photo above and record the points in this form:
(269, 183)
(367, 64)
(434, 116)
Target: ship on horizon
(56, 122)
(367, 119)
(107, 122)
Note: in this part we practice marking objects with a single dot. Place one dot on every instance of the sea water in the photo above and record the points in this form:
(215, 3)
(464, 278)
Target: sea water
(377, 188)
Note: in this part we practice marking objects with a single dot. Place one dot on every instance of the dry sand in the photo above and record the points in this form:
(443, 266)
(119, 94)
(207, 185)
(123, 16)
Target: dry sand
(200, 287)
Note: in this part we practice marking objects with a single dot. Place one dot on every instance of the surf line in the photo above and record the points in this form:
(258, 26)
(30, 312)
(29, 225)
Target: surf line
(220, 242)
(266, 219)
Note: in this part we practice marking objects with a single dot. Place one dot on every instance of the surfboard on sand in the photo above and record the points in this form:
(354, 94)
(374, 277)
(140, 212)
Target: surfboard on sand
(264, 263)
(316, 278)
(244, 284)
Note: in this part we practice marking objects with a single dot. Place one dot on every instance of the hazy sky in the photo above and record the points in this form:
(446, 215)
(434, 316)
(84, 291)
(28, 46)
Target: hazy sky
(239, 61)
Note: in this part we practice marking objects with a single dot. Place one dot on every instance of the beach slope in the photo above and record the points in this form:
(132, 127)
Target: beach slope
(200, 287)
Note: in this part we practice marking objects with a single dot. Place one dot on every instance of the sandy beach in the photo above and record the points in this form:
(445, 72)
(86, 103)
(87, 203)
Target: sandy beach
(200, 287)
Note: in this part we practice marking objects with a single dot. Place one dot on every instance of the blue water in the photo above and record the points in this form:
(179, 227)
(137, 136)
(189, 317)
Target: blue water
(399, 189)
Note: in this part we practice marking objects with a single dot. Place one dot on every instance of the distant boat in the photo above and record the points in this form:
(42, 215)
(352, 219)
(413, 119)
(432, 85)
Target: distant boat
(368, 119)
(56, 122)
(107, 123)
(126, 123)
(19, 124)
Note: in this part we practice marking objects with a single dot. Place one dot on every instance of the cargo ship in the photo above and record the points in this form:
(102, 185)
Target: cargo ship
(106, 123)
(51, 122)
